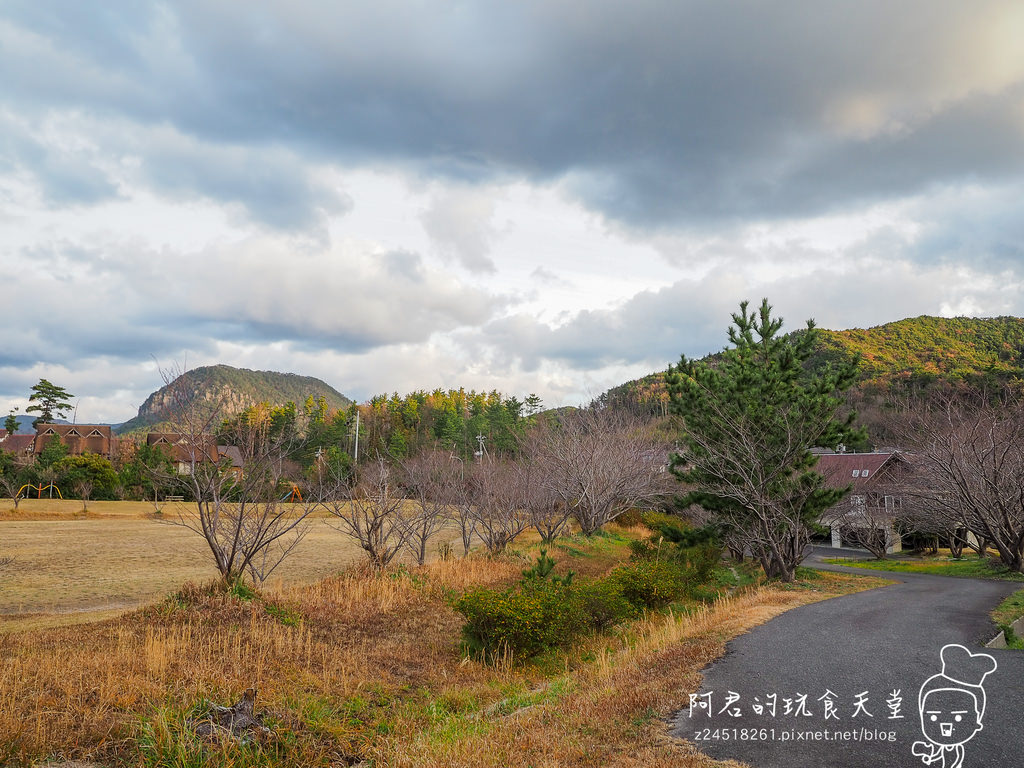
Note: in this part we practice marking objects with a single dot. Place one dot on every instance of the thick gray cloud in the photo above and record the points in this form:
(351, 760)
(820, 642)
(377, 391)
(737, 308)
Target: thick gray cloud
(658, 113)
(243, 181)
(122, 300)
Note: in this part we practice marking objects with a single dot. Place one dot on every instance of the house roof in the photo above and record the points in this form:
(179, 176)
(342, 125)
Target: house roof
(75, 430)
(180, 445)
(856, 469)
(234, 453)
(79, 438)
(17, 443)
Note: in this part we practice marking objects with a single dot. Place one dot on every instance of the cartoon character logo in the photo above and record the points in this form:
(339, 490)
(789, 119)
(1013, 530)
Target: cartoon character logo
(952, 704)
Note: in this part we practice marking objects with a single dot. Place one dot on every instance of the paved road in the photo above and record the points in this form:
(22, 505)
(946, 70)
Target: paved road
(873, 642)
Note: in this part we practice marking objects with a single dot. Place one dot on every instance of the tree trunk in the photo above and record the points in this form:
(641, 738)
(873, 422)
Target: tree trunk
(956, 545)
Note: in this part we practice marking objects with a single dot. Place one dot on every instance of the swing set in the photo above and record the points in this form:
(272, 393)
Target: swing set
(40, 488)
(293, 495)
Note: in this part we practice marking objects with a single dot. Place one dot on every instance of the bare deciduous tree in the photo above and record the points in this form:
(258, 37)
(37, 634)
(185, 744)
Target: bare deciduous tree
(867, 523)
(427, 480)
(969, 466)
(241, 516)
(601, 463)
(496, 491)
(84, 490)
(548, 512)
(461, 509)
(370, 511)
(11, 486)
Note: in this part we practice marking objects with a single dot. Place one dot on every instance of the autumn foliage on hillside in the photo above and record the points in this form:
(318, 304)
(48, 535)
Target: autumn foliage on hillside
(915, 353)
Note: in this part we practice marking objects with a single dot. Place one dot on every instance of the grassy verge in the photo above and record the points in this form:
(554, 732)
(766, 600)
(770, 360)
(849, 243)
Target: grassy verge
(364, 668)
(969, 566)
(1007, 612)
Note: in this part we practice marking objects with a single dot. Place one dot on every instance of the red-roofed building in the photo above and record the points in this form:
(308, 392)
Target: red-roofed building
(875, 499)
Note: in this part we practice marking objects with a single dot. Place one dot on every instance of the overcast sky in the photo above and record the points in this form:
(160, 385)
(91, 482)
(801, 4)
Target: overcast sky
(550, 196)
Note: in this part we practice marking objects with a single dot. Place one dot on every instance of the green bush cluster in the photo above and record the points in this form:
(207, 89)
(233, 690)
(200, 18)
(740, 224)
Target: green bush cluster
(697, 549)
(651, 583)
(605, 604)
(542, 613)
(524, 621)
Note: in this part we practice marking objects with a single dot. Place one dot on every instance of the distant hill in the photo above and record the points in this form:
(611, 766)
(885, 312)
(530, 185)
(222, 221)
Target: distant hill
(25, 423)
(926, 349)
(919, 351)
(234, 390)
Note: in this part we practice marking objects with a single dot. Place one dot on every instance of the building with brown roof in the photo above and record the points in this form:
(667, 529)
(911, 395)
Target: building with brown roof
(20, 445)
(185, 450)
(875, 501)
(78, 438)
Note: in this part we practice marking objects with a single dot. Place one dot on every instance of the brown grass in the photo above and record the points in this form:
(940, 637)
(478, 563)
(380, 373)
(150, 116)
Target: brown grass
(611, 705)
(121, 556)
(363, 666)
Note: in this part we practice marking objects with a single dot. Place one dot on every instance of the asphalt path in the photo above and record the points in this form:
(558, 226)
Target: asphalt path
(860, 647)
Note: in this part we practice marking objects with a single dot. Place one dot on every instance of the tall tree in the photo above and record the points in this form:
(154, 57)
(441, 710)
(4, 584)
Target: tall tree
(50, 401)
(11, 423)
(749, 422)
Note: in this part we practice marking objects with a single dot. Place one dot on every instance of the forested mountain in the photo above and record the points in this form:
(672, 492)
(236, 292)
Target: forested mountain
(925, 349)
(233, 390)
(917, 353)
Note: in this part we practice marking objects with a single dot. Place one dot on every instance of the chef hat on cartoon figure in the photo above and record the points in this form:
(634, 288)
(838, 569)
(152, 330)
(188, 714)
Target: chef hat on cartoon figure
(962, 670)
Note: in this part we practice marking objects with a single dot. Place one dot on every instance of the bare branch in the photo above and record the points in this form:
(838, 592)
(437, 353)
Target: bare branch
(371, 512)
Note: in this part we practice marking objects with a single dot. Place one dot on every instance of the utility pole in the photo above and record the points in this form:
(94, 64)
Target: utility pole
(356, 459)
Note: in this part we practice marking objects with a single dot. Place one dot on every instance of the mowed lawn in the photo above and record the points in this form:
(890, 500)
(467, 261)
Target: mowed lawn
(121, 556)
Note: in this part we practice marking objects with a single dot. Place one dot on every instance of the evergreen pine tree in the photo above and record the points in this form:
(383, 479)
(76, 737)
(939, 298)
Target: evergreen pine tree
(750, 419)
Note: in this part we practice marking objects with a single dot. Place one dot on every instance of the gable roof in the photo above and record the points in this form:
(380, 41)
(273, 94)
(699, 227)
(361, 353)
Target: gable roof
(234, 453)
(857, 469)
(79, 438)
(179, 446)
(17, 443)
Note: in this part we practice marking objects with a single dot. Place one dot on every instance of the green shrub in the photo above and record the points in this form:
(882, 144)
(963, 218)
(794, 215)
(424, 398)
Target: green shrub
(696, 549)
(660, 522)
(523, 621)
(701, 561)
(651, 583)
(546, 611)
(604, 603)
(644, 549)
(543, 568)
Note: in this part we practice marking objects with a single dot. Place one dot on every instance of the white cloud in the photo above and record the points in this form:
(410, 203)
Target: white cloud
(548, 196)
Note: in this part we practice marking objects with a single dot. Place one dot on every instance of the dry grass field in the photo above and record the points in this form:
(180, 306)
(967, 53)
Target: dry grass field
(119, 555)
(354, 668)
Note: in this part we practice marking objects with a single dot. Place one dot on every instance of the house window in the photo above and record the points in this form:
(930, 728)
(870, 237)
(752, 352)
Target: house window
(864, 473)
(856, 473)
